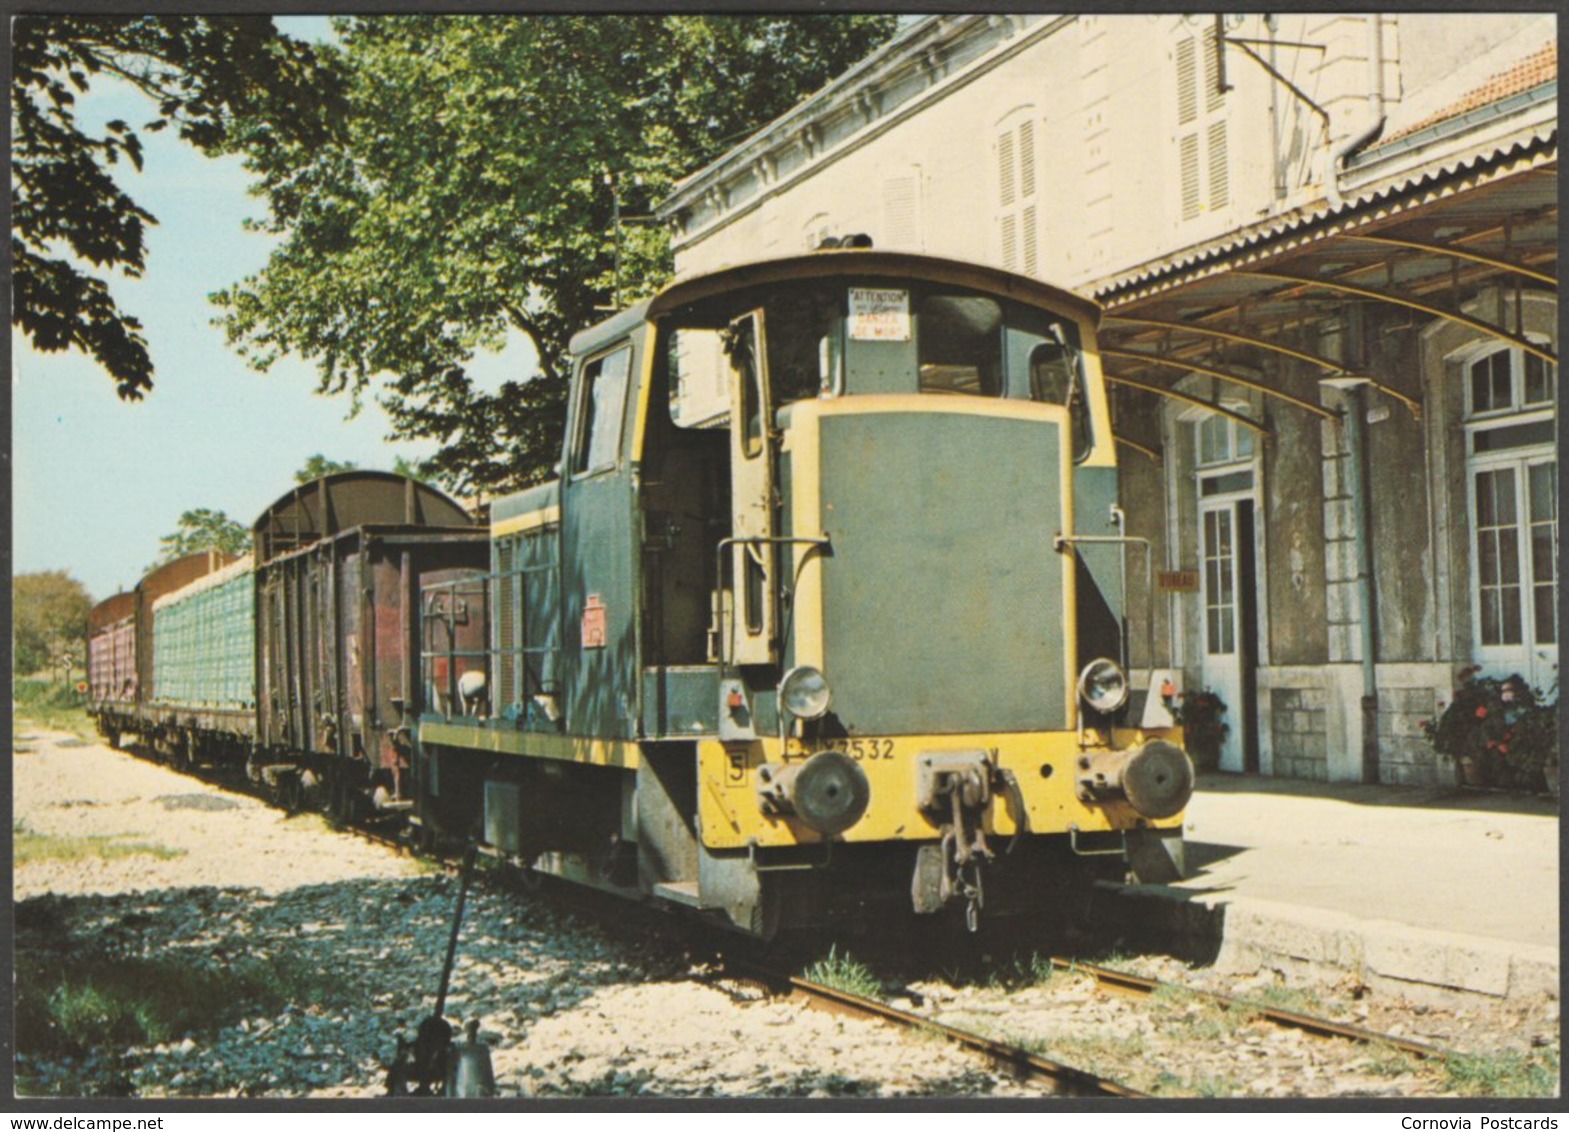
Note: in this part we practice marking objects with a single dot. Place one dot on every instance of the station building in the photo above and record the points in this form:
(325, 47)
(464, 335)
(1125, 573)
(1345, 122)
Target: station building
(1326, 247)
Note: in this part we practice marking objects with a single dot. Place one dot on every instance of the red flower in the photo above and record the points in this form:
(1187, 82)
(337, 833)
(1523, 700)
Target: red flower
(1481, 713)
(1503, 748)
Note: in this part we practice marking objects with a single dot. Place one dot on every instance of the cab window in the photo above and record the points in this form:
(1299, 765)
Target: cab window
(1056, 379)
(601, 396)
(960, 345)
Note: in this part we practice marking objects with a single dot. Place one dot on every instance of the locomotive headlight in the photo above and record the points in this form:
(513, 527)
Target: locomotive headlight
(1103, 685)
(804, 692)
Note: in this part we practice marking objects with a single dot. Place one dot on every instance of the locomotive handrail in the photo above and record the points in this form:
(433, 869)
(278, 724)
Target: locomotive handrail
(1059, 542)
(530, 682)
(752, 542)
(451, 654)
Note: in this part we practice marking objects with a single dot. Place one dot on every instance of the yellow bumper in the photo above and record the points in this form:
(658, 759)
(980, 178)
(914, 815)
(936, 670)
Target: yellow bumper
(1043, 765)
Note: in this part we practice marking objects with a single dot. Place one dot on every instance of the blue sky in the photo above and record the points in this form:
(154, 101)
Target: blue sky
(98, 481)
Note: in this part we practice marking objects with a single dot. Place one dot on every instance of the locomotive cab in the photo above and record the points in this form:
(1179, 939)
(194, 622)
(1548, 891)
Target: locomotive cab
(910, 446)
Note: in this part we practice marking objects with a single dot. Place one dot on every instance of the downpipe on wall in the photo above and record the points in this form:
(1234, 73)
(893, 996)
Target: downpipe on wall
(1355, 397)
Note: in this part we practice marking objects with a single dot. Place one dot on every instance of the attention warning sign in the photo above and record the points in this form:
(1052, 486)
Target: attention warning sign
(879, 315)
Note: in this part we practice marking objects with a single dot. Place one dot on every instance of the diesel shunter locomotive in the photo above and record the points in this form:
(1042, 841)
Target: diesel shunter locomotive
(822, 617)
(822, 611)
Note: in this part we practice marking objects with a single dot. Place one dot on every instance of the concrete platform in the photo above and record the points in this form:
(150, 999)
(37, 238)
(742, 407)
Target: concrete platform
(1416, 889)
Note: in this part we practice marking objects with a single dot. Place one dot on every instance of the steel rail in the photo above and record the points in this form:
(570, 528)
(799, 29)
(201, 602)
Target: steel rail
(1129, 983)
(1064, 1078)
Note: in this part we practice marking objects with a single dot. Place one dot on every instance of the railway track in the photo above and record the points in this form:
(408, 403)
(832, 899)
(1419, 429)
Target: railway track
(1138, 985)
(1059, 1078)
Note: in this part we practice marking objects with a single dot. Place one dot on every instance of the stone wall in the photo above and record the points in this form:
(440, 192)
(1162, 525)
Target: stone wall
(1298, 732)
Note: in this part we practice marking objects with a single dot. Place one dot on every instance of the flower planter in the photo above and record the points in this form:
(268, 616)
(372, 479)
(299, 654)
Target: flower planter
(1470, 772)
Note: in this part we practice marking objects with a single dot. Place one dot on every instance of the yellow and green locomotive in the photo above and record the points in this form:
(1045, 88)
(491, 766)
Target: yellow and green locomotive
(822, 612)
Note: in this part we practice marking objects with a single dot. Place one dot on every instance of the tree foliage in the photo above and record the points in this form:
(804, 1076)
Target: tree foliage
(203, 529)
(471, 195)
(318, 466)
(48, 619)
(67, 212)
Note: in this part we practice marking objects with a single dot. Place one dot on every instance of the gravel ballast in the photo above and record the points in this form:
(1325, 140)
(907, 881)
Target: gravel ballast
(567, 1008)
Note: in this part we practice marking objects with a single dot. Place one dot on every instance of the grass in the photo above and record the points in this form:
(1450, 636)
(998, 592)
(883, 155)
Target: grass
(30, 848)
(51, 705)
(841, 972)
(67, 1007)
(1530, 1074)
(1295, 999)
(1032, 971)
(1101, 1053)
(1201, 1019)
(1387, 1061)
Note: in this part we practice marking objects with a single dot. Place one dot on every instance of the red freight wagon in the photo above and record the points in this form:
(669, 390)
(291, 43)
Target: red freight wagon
(111, 665)
(338, 563)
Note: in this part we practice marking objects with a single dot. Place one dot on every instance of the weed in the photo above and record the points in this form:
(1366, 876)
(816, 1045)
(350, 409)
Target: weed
(1295, 999)
(1172, 995)
(1386, 1061)
(52, 705)
(1530, 1074)
(1020, 972)
(1209, 1088)
(1101, 1052)
(843, 973)
(73, 1005)
(1029, 1043)
(30, 848)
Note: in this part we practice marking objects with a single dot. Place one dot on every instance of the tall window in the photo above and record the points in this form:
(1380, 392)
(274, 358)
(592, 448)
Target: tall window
(1017, 221)
(1512, 472)
(1223, 471)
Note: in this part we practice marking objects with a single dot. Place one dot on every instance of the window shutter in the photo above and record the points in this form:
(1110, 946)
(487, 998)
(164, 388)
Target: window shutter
(1005, 189)
(1219, 172)
(1213, 99)
(1018, 182)
(1188, 157)
(901, 211)
(1187, 83)
(1027, 158)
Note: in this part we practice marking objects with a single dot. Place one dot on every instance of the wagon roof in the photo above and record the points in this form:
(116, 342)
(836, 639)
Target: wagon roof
(110, 610)
(181, 572)
(345, 500)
